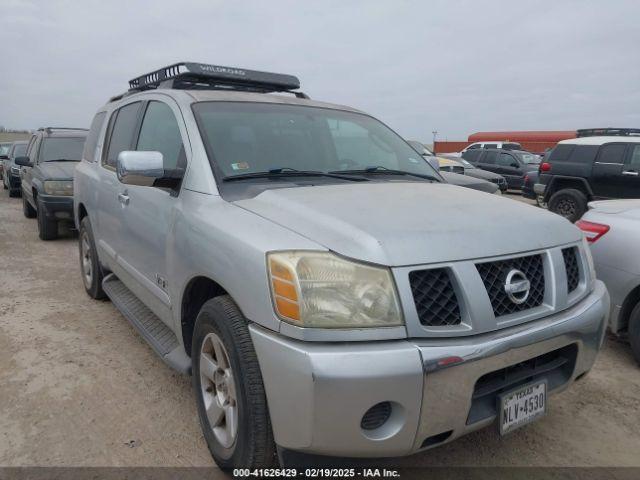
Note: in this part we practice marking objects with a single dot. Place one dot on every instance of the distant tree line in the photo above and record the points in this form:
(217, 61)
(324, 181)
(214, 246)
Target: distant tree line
(10, 130)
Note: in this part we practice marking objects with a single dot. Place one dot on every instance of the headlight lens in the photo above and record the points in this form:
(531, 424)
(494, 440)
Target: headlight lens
(58, 187)
(587, 252)
(15, 170)
(320, 289)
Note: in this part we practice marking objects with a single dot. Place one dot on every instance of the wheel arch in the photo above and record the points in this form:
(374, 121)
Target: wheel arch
(558, 183)
(197, 291)
(630, 301)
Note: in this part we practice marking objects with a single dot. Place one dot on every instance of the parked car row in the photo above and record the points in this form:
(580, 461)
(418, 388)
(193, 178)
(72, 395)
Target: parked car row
(312, 271)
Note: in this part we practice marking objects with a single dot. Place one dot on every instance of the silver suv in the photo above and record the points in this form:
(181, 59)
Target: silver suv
(327, 292)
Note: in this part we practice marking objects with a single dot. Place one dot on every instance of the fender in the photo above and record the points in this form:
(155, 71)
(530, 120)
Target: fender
(557, 178)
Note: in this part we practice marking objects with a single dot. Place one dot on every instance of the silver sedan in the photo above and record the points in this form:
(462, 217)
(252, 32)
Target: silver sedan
(612, 228)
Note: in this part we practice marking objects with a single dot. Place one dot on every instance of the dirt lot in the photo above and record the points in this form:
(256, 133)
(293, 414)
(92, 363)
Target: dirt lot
(79, 387)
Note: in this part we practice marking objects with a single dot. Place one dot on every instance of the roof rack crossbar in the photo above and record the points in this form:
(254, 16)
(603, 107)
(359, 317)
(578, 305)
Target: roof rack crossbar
(191, 75)
(608, 131)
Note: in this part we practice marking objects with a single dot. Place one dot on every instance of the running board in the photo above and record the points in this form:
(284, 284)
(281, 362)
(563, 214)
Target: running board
(157, 334)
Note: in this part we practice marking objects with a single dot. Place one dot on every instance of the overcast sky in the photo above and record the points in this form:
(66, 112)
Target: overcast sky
(454, 67)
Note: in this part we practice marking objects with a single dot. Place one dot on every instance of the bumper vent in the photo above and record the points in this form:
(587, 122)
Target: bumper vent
(570, 256)
(494, 275)
(435, 298)
(376, 416)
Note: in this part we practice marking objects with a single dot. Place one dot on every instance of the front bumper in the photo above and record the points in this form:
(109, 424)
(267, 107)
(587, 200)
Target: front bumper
(318, 392)
(58, 207)
(14, 181)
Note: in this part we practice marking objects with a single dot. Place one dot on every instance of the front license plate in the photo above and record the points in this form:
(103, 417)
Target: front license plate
(522, 406)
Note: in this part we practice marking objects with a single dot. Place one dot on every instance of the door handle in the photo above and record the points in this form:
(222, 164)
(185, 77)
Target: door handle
(123, 198)
(631, 173)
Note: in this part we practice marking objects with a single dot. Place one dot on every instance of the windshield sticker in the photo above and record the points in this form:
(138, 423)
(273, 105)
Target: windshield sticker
(240, 166)
(414, 160)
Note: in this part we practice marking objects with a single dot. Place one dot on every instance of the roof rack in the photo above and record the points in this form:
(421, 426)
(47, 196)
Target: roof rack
(608, 132)
(48, 129)
(200, 76)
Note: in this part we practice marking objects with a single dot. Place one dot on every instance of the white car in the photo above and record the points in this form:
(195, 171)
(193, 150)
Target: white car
(612, 228)
(489, 144)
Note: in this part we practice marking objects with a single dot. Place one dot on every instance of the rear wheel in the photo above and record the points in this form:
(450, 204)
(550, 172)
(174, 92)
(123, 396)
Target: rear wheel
(47, 227)
(27, 209)
(634, 332)
(92, 273)
(227, 382)
(570, 203)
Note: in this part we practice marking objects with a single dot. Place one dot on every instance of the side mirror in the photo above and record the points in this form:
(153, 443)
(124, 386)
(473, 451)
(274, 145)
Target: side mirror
(4, 157)
(140, 168)
(434, 162)
(23, 162)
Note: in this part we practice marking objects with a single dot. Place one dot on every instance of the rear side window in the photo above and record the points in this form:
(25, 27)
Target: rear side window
(506, 160)
(612, 153)
(584, 154)
(122, 132)
(490, 145)
(92, 139)
(160, 132)
(490, 158)
(472, 155)
(473, 146)
(511, 146)
(634, 159)
(561, 153)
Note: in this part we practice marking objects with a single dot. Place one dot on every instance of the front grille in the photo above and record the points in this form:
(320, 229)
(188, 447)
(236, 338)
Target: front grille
(494, 275)
(570, 256)
(435, 298)
(556, 367)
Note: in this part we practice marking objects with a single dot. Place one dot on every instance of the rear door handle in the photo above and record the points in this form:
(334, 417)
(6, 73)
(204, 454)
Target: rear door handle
(123, 198)
(631, 173)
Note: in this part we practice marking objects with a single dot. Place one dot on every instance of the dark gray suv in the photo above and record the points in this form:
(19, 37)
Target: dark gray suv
(47, 177)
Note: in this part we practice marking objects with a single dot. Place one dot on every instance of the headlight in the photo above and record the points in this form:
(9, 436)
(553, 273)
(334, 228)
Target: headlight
(58, 187)
(587, 253)
(15, 170)
(320, 289)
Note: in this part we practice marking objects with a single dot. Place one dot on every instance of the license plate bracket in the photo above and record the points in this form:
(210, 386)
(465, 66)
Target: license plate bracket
(522, 405)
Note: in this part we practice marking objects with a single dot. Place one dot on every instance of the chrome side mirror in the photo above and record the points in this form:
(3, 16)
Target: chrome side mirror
(140, 168)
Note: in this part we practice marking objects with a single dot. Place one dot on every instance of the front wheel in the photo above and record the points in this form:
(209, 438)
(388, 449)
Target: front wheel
(634, 332)
(92, 274)
(47, 227)
(227, 382)
(27, 209)
(570, 203)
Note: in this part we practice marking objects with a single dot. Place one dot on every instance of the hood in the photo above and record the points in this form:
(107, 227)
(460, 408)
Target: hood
(57, 170)
(616, 207)
(469, 182)
(407, 223)
(483, 174)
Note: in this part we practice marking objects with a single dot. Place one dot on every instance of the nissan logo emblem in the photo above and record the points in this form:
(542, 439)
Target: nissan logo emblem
(517, 286)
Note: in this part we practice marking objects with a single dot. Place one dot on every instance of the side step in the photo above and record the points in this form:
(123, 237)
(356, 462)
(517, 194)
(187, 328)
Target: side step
(161, 338)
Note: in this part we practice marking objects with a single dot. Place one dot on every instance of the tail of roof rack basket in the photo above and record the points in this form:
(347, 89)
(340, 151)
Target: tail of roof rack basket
(608, 132)
(189, 75)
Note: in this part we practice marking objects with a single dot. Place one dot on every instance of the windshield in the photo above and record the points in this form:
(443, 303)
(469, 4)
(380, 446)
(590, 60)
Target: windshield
(62, 148)
(245, 138)
(420, 148)
(19, 150)
(529, 158)
(4, 148)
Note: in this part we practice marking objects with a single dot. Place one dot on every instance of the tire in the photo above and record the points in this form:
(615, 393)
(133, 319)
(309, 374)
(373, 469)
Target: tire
(4, 184)
(90, 269)
(569, 203)
(221, 323)
(47, 227)
(27, 209)
(634, 332)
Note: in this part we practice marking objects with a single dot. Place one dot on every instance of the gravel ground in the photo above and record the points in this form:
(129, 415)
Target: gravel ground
(79, 387)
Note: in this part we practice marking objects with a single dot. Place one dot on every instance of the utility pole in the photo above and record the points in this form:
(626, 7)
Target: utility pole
(435, 134)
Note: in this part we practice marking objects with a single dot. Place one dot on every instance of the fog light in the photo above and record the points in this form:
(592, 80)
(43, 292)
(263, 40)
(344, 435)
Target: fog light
(376, 416)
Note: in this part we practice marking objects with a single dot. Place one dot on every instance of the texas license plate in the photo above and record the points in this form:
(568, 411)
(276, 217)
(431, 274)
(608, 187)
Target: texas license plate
(522, 406)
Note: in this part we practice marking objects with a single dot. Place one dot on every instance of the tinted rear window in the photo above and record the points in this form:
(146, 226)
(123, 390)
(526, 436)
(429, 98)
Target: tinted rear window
(92, 138)
(472, 155)
(612, 153)
(561, 153)
(490, 158)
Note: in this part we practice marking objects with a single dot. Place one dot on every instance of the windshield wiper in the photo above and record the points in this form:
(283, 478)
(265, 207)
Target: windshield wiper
(61, 160)
(390, 171)
(292, 172)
